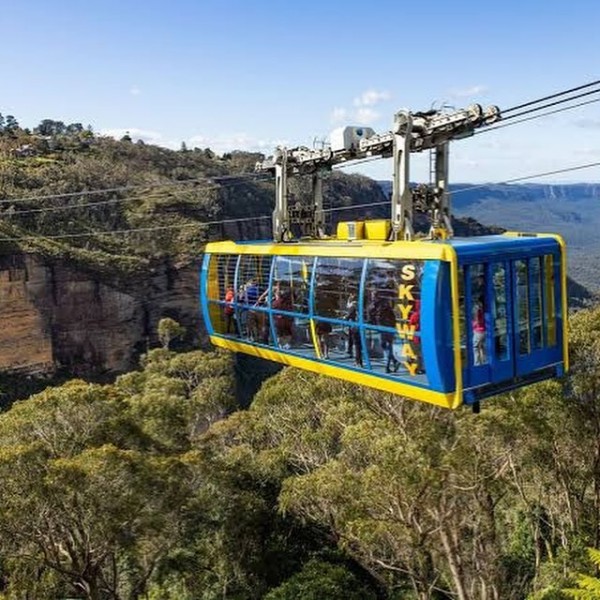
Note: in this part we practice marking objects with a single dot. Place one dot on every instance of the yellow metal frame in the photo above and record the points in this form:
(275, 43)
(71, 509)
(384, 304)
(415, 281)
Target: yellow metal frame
(450, 400)
(416, 250)
(342, 249)
(458, 367)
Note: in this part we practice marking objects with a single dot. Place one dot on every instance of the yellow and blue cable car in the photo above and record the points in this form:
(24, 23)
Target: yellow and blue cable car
(445, 320)
(448, 322)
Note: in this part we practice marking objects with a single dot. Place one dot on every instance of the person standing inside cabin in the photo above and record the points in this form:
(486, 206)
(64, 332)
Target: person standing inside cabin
(351, 312)
(229, 311)
(387, 318)
(251, 295)
(354, 341)
(251, 292)
(478, 326)
(282, 300)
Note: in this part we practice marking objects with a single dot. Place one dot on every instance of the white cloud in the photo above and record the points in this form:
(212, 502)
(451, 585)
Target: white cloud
(366, 116)
(339, 114)
(363, 112)
(218, 144)
(135, 90)
(371, 98)
(236, 141)
(147, 136)
(474, 90)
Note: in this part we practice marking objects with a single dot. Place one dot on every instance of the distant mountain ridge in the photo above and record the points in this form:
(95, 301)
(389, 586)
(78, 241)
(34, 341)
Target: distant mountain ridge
(571, 210)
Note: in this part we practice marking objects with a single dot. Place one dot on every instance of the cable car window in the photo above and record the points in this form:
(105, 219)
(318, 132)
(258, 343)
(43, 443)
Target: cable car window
(536, 302)
(478, 312)
(221, 275)
(220, 292)
(338, 342)
(462, 315)
(549, 303)
(337, 285)
(522, 277)
(253, 280)
(392, 291)
(301, 337)
(499, 315)
(395, 354)
(292, 274)
(251, 297)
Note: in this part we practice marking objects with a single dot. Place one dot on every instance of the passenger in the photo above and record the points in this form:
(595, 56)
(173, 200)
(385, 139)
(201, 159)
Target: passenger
(389, 285)
(283, 323)
(354, 339)
(387, 318)
(478, 325)
(323, 330)
(251, 298)
(229, 312)
(351, 315)
(251, 292)
(371, 310)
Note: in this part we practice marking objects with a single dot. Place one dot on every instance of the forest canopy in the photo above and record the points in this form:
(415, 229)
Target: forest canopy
(157, 486)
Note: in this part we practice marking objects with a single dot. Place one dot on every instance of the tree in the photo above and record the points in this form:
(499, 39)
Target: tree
(168, 330)
(98, 516)
(49, 127)
(74, 128)
(10, 124)
(105, 493)
(320, 579)
(588, 586)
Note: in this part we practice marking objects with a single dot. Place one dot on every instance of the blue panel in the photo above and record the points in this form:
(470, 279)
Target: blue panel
(436, 329)
(479, 248)
(204, 293)
(361, 315)
(269, 300)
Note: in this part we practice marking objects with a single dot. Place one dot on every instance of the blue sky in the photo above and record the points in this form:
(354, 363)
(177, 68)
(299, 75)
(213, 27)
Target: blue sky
(252, 74)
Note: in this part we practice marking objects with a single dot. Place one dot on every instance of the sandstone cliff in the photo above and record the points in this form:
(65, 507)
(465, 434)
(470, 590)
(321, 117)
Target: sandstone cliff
(56, 317)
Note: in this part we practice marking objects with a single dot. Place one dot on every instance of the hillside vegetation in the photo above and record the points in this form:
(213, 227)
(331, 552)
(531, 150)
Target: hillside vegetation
(158, 486)
(153, 488)
(56, 158)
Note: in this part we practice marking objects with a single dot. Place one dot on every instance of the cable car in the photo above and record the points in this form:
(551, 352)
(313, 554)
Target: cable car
(446, 322)
(443, 320)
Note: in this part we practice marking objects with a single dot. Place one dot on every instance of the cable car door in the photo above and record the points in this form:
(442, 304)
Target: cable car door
(511, 318)
(536, 299)
(487, 352)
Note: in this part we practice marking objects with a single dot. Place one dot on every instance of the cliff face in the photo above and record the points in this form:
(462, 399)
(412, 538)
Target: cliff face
(57, 317)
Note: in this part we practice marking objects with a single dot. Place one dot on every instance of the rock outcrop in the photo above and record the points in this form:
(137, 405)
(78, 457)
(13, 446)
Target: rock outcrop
(57, 317)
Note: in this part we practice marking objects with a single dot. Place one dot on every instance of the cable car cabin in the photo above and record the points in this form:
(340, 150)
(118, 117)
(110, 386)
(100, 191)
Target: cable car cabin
(445, 322)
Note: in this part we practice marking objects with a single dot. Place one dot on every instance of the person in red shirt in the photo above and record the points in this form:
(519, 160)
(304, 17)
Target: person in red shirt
(478, 326)
(229, 311)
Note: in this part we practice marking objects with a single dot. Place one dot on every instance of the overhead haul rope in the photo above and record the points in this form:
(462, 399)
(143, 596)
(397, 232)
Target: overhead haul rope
(212, 180)
(532, 118)
(149, 196)
(548, 105)
(259, 217)
(218, 179)
(551, 96)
